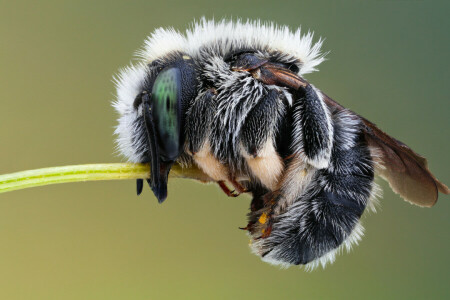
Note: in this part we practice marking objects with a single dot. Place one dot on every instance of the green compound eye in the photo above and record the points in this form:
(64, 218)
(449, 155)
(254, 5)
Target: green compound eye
(166, 110)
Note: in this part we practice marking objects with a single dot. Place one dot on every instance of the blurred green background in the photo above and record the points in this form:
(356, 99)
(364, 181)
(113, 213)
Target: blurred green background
(389, 61)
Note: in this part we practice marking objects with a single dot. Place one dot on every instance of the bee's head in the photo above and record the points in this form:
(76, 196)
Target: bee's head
(151, 130)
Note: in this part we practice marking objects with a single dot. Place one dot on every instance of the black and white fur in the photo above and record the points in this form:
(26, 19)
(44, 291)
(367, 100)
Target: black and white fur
(308, 168)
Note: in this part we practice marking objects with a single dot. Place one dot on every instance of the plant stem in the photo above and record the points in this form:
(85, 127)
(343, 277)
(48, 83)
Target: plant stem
(89, 172)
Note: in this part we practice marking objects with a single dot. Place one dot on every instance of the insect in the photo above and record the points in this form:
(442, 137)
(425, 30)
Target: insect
(230, 99)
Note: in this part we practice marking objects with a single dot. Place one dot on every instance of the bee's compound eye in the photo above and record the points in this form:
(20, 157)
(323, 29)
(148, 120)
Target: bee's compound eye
(166, 111)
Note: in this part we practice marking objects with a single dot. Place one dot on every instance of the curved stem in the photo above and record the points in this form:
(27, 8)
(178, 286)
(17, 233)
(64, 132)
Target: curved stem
(89, 172)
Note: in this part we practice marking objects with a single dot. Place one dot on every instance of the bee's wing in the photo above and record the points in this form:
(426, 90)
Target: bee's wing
(406, 171)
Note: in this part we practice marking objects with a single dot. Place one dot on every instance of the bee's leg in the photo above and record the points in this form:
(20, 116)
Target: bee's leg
(259, 124)
(312, 128)
(258, 208)
(199, 119)
(239, 188)
(226, 189)
(257, 139)
(258, 193)
(312, 132)
(310, 223)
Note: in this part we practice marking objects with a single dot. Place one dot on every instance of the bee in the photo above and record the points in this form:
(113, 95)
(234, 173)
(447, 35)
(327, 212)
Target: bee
(230, 98)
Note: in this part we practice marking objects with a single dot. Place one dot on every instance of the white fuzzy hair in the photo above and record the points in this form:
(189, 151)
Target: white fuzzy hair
(226, 34)
(352, 240)
(347, 245)
(128, 85)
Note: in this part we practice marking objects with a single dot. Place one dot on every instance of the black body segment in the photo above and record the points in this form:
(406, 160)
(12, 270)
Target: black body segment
(199, 118)
(312, 132)
(260, 123)
(322, 224)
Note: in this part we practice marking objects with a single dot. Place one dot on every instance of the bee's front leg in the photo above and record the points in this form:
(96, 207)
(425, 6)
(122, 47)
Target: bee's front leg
(198, 129)
(226, 189)
(198, 121)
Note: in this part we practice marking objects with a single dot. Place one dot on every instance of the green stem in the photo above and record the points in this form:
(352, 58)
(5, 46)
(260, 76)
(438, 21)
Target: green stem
(90, 172)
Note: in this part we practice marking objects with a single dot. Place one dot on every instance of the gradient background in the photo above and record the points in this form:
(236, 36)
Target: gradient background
(389, 61)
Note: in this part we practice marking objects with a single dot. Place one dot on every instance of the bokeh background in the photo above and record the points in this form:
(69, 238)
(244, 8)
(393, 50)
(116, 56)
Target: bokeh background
(389, 61)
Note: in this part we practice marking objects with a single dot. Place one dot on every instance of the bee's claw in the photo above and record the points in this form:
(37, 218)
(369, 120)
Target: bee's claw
(239, 187)
(226, 189)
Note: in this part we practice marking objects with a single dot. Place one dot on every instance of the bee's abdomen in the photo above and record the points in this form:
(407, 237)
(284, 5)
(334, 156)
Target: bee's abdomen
(323, 215)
